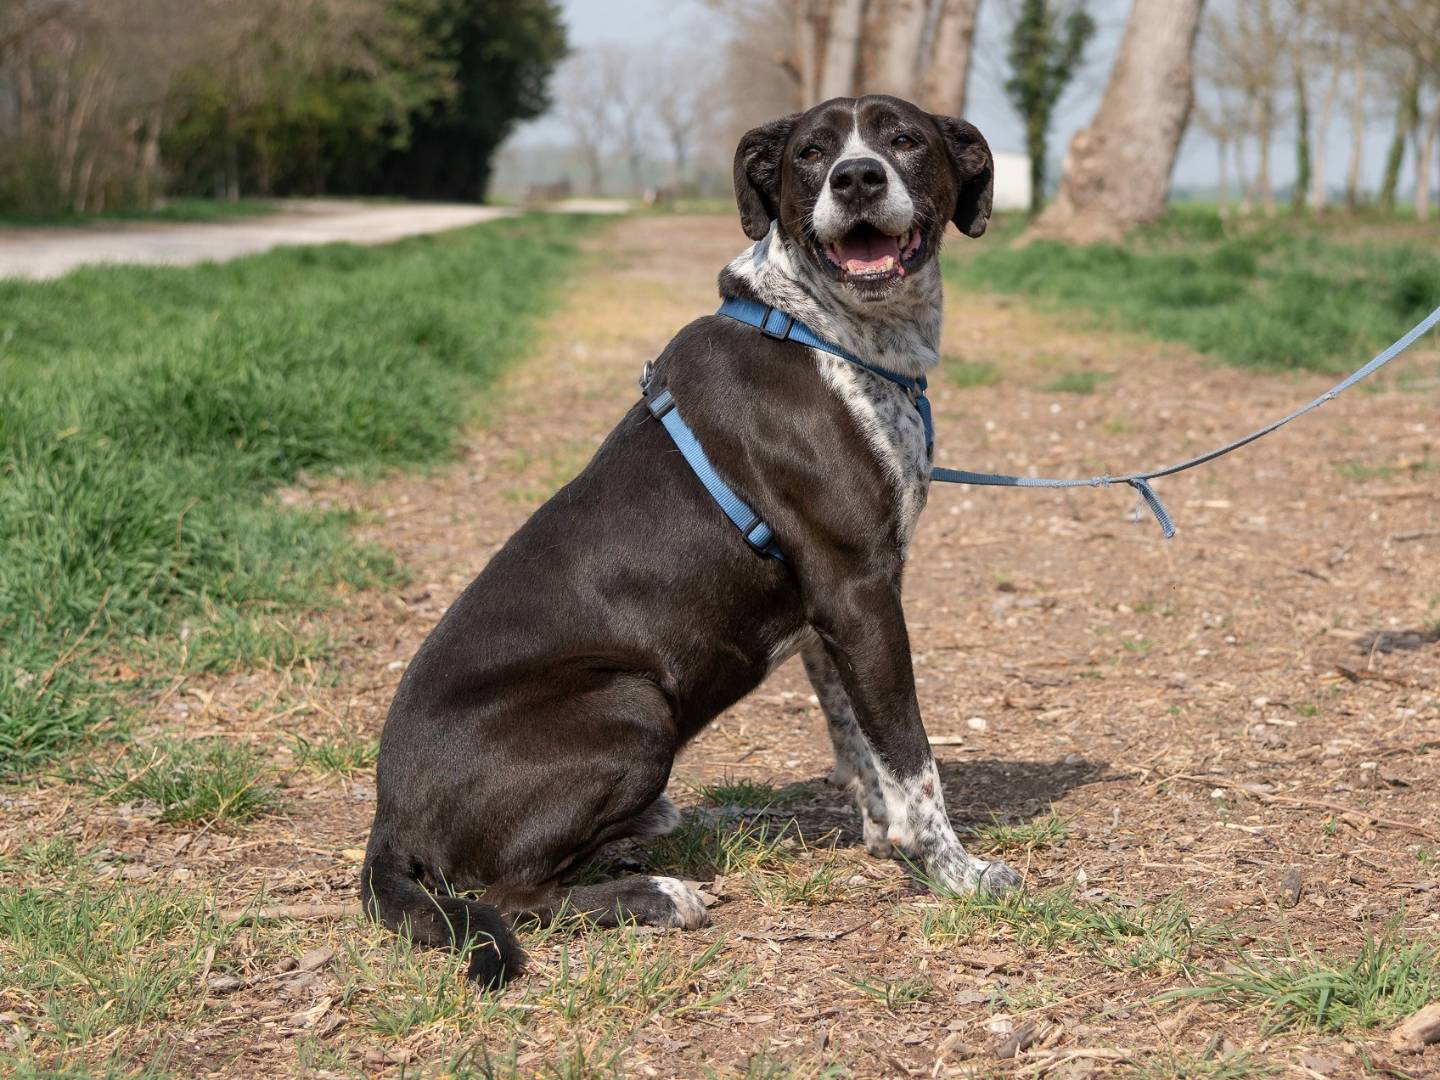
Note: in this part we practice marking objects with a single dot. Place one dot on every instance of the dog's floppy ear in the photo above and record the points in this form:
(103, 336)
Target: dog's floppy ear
(758, 161)
(974, 171)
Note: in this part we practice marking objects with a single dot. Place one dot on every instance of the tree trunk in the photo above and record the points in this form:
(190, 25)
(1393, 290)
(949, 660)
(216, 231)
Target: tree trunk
(842, 49)
(150, 157)
(897, 70)
(1357, 136)
(1247, 187)
(1222, 187)
(1407, 115)
(1303, 164)
(1424, 162)
(1117, 171)
(1319, 193)
(807, 52)
(942, 90)
(1264, 136)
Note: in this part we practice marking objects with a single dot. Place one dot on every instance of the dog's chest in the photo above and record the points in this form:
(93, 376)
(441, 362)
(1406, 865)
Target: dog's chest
(887, 418)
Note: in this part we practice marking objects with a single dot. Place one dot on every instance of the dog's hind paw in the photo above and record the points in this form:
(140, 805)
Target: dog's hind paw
(688, 909)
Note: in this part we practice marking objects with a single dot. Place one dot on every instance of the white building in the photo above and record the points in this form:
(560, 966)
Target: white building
(1012, 180)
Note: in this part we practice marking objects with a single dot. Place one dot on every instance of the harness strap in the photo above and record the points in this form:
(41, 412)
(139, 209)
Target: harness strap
(782, 326)
(757, 534)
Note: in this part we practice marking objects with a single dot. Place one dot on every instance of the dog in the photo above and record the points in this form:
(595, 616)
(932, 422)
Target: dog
(541, 717)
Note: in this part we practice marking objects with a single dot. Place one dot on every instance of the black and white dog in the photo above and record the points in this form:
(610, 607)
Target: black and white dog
(541, 717)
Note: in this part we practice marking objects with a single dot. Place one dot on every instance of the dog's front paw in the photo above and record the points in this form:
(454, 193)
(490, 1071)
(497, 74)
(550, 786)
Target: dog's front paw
(996, 879)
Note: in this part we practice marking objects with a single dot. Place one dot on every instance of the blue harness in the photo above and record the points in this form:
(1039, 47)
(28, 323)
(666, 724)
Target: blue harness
(781, 326)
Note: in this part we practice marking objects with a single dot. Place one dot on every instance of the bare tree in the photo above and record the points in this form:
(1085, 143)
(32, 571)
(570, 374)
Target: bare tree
(1117, 170)
(679, 102)
(898, 68)
(947, 70)
(584, 106)
(1412, 29)
(842, 49)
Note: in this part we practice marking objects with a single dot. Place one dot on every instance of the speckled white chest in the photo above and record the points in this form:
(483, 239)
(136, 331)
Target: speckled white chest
(892, 427)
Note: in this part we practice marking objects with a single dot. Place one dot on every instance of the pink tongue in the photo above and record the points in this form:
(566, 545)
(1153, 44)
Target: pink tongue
(867, 251)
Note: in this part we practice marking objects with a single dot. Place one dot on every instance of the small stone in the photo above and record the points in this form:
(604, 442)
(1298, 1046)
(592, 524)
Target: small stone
(316, 959)
(137, 872)
(1322, 1065)
(1292, 887)
(1418, 1031)
(223, 984)
(977, 723)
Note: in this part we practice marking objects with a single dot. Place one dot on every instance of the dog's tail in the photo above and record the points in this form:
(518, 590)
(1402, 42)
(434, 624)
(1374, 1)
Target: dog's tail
(393, 895)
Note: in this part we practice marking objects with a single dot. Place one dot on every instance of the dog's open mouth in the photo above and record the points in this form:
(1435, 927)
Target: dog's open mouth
(867, 255)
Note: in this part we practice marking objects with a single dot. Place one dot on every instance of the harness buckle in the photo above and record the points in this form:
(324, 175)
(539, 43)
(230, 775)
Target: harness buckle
(646, 374)
(784, 333)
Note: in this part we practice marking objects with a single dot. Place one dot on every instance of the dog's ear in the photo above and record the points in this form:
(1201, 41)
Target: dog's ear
(758, 161)
(974, 171)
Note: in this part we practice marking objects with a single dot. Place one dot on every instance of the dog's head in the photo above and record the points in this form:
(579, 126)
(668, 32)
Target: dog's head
(864, 187)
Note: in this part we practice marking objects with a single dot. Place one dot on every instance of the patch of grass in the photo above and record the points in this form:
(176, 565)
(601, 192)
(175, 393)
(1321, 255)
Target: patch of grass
(207, 780)
(970, 373)
(1386, 981)
(1244, 291)
(138, 443)
(895, 995)
(625, 973)
(342, 755)
(54, 854)
(1150, 937)
(997, 837)
(170, 210)
(745, 793)
(101, 964)
(1077, 382)
(700, 848)
(812, 882)
(1173, 1065)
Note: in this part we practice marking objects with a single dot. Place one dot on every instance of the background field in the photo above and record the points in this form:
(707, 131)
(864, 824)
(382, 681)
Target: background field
(1214, 760)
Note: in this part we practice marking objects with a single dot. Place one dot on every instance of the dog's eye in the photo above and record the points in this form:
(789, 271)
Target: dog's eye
(903, 142)
(811, 154)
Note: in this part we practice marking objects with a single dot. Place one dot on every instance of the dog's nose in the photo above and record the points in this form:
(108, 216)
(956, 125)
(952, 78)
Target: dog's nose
(858, 178)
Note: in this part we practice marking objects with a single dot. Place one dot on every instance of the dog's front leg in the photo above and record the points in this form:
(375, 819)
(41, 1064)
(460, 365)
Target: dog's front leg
(862, 628)
(854, 759)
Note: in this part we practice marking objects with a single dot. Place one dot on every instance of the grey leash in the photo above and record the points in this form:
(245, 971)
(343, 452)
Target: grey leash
(1141, 481)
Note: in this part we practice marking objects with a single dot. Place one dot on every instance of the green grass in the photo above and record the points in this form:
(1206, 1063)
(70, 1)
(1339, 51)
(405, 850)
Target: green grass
(145, 413)
(699, 848)
(1387, 980)
(896, 995)
(1267, 294)
(343, 755)
(968, 374)
(1077, 382)
(170, 210)
(99, 966)
(1149, 937)
(999, 837)
(203, 780)
(743, 792)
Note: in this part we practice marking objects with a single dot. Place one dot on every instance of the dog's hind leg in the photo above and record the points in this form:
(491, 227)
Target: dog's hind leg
(854, 758)
(619, 743)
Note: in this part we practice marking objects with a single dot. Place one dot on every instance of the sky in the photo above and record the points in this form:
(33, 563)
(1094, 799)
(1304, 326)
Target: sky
(658, 22)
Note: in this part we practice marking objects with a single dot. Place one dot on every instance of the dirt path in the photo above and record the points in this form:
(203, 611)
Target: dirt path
(49, 253)
(1201, 713)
